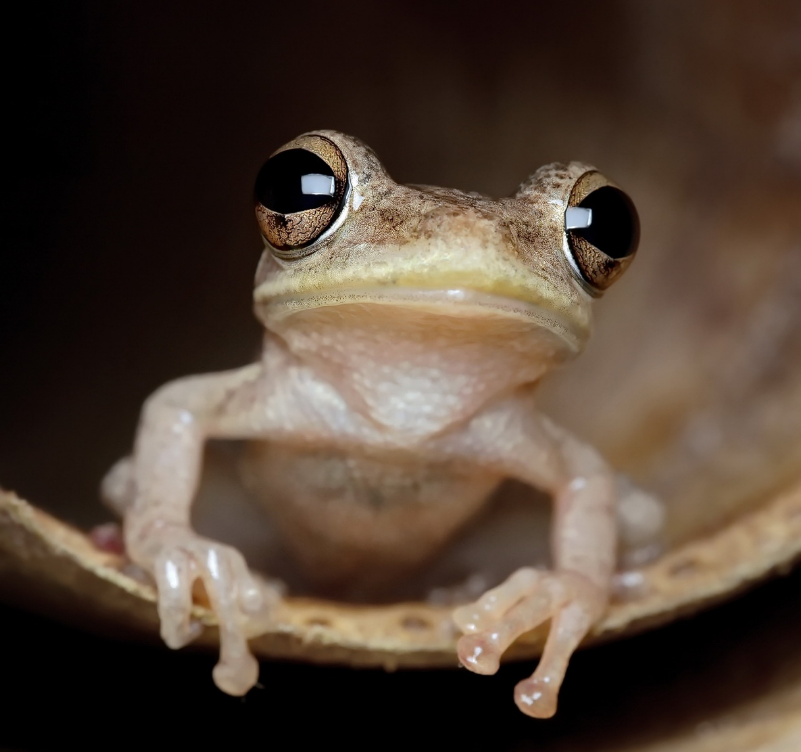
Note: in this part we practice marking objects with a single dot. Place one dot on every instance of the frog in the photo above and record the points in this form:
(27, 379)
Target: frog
(406, 331)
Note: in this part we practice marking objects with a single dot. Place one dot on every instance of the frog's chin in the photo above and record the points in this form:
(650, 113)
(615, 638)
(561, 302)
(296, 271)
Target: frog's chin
(464, 303)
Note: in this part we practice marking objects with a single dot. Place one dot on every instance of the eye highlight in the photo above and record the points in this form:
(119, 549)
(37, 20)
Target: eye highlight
(603, 231)
(295, 180)
(299, 194)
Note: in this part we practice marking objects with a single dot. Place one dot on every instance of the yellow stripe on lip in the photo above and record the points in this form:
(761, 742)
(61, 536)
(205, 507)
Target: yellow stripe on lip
(570, 330)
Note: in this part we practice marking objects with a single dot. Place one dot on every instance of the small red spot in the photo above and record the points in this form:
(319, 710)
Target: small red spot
(108, 538)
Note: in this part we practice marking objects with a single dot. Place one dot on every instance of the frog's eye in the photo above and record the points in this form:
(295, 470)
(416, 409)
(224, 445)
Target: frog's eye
(603, 231)
(300, 192)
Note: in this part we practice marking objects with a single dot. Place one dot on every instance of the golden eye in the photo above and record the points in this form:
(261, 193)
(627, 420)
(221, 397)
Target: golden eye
(603, 230)
(300, 192)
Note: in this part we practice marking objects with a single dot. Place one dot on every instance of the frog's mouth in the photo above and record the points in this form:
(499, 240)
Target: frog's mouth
(455, 302)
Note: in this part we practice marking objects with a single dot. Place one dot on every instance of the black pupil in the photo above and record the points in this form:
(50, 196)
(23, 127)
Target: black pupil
(615, 228)
(280, 184)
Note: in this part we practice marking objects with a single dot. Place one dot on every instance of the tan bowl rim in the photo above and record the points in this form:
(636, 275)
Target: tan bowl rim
(53, 568)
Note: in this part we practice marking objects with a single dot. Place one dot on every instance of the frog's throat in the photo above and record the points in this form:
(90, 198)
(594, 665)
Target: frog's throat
(570, 334)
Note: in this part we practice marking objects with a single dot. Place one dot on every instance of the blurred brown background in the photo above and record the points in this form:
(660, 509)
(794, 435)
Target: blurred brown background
(129, 245)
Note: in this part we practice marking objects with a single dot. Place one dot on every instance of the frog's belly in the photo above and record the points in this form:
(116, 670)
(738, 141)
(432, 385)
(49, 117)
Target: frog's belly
(362, 520)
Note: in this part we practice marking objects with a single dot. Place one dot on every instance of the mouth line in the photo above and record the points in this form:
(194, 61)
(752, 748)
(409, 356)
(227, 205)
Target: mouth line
(458, 297)
(412, 295)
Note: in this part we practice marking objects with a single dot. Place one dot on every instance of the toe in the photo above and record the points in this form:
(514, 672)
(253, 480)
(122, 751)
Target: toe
(174, 582)
(477, 655)
(236, 676)
(482, 614)
(178, 632)
(536, 697)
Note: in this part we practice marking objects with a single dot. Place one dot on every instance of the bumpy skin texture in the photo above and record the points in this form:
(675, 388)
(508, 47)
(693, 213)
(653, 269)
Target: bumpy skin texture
(394, 393)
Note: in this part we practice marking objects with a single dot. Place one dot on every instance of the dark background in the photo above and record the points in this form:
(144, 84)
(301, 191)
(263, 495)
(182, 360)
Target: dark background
(129, 246)
(69, 690)
(129, 243)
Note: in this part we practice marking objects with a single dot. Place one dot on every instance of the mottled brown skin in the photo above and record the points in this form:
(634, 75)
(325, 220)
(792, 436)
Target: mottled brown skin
(395, 391)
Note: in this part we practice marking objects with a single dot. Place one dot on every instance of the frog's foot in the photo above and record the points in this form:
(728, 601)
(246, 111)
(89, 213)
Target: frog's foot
(239, 600)
(640, 524)
(108, 538)
(118, 488)
(527, 599)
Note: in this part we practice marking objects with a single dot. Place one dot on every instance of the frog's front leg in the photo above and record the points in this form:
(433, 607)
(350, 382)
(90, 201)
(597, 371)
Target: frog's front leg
(575, 594)
(165, 471)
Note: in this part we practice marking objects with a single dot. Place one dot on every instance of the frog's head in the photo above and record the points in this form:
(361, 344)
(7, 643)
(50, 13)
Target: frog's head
(339, 233)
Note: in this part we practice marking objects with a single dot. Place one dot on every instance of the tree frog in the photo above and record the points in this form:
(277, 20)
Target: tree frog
(406, 331)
